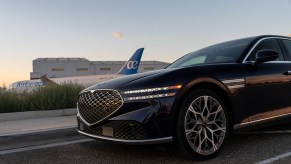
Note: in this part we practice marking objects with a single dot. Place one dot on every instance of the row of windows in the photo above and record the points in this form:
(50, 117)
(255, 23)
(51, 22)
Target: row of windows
(62, 69)
(101, 69)
(228, 52)
(82, 69)
(57, 69)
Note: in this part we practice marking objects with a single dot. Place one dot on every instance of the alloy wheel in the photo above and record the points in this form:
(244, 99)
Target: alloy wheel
(205, 125)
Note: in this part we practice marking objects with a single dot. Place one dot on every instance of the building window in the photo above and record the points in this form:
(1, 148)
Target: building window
(82, 69)
(148, 68)
(105, 69)
(57, 69)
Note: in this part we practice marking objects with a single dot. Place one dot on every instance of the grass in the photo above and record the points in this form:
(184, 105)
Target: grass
(50, 97)
(10, 102)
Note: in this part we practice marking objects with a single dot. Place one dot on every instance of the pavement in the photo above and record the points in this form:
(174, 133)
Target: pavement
(51, 137)
(39, 121)
(36, 122)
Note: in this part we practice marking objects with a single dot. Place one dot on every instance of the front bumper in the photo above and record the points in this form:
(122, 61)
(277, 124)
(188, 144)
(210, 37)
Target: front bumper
(126, 134)
(142, 122)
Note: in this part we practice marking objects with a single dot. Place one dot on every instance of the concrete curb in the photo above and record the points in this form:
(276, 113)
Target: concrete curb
(37, 114)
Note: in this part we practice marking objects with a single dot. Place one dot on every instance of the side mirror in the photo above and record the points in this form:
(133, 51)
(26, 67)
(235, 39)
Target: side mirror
(265, 56)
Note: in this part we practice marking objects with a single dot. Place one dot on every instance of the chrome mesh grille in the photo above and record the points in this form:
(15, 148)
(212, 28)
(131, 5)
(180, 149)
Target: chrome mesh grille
(126, 130)
(96, 106)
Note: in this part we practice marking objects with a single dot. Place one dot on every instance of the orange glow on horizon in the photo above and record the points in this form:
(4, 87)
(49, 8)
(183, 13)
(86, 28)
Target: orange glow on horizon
(9, 79)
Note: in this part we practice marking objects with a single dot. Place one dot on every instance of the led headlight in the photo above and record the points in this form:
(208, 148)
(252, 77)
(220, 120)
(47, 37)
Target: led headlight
(150, 93)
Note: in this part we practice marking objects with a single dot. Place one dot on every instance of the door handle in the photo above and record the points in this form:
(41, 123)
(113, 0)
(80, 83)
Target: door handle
(287, 73)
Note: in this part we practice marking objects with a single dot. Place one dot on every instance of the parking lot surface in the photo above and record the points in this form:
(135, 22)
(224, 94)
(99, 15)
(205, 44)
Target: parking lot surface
(67, 146)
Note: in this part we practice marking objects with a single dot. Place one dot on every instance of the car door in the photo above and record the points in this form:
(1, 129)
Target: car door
(267, 85)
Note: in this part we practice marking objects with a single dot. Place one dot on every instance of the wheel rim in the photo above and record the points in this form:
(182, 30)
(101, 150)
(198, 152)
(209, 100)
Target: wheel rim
(205, 125)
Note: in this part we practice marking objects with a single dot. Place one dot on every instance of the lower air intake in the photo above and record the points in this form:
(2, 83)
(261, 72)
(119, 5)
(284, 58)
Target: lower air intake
(126, 130)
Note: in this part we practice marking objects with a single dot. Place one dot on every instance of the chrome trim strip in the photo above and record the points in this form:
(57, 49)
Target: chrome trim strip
(233, 81)
(279, 62)
(236, 126)
(148, 141)
(236, 86)
(260, 120)
(92, 90)
(254, 46)
(87, 123)
(270, 62)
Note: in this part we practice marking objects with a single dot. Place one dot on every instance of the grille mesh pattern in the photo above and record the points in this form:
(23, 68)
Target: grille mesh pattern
(93, 107)
(126, 130)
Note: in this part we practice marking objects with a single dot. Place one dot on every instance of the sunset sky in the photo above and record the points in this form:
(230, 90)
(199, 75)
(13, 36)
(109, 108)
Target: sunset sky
(114, 29)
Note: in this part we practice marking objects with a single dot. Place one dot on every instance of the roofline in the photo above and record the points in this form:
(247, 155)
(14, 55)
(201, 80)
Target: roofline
(267, 36)
(255, 40)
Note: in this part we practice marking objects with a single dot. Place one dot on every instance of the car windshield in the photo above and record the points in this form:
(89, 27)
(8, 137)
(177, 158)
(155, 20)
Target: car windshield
(226, 52)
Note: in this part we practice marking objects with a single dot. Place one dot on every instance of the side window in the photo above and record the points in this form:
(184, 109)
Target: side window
(271, 44)
(195, 60)
(222, 59)
(288, 45)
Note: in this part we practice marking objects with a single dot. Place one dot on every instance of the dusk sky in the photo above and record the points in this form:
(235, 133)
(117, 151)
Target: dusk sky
(114, 29)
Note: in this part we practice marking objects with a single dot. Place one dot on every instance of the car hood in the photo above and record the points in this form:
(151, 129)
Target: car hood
(168, 77)
(121, 82)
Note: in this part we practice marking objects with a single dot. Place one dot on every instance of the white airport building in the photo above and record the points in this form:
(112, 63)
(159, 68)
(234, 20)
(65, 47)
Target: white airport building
(66, 67)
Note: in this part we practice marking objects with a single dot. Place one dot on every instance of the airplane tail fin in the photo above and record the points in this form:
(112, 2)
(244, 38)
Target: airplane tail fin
(131, 66)
(46, 81)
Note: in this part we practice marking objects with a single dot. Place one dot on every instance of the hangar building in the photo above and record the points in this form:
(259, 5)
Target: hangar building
(66, 67)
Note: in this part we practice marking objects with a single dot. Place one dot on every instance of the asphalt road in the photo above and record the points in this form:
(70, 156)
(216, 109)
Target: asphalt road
(67, 146)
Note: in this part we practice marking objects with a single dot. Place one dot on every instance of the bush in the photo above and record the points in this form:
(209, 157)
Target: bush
(9, 102)
(44, 98)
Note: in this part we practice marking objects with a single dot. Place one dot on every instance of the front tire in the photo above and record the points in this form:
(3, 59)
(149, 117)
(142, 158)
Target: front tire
(202, 125)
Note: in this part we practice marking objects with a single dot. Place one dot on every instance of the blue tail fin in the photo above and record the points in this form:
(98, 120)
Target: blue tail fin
(131, 66)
